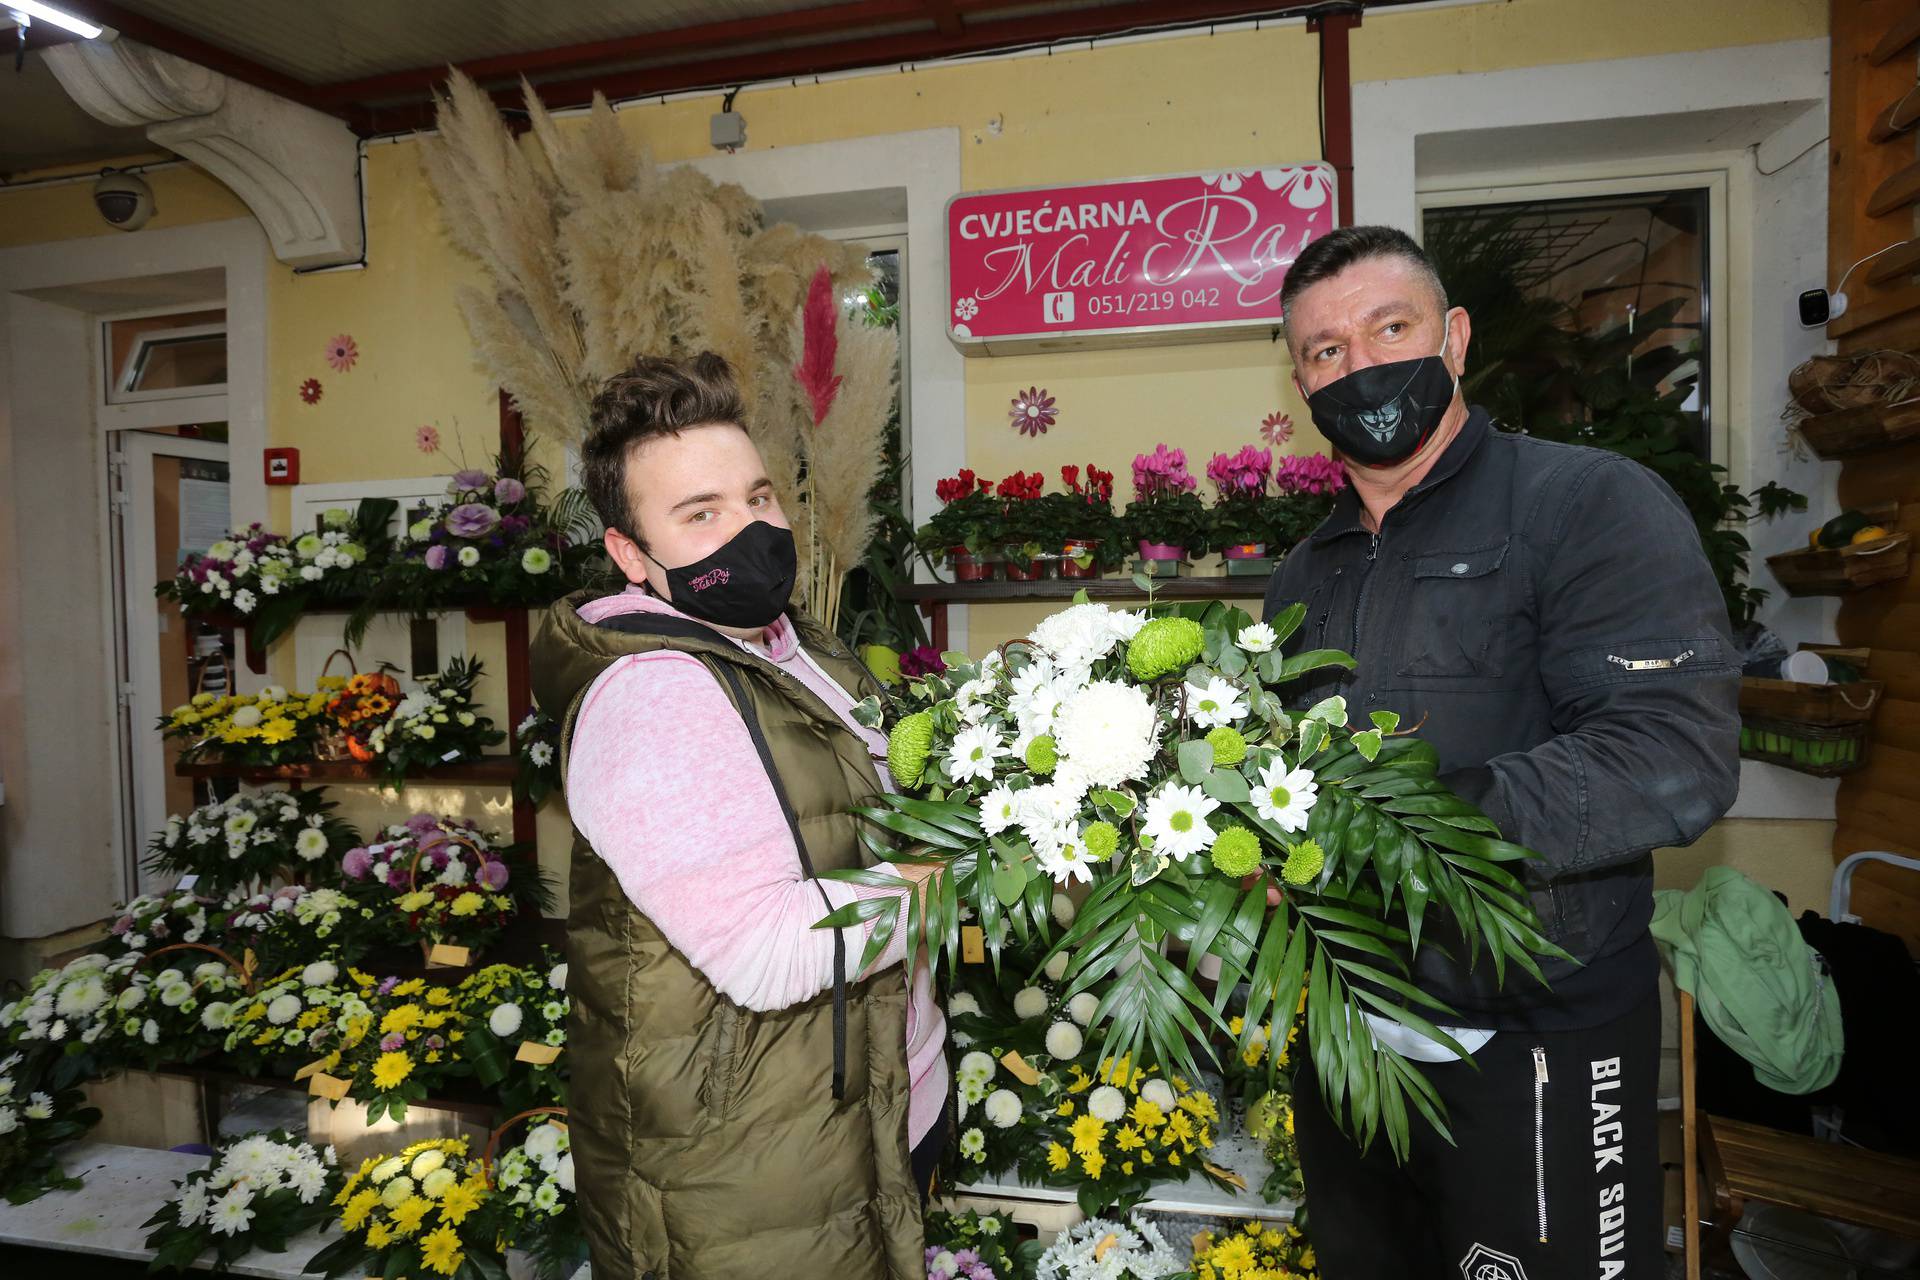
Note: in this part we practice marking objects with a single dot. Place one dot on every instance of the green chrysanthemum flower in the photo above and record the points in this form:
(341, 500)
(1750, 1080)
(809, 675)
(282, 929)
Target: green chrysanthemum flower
(1236, 852)
(1228, 746)
(1042, 754)
(883, 662)
(1163, 646)
(1102, 840)
(1304, 861)
(907, 748)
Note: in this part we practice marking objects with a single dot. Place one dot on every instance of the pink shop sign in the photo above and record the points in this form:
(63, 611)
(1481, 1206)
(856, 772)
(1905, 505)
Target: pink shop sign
(1134, 262)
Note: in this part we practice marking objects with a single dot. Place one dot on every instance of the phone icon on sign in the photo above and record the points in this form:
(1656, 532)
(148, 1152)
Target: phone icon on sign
(1059, 308)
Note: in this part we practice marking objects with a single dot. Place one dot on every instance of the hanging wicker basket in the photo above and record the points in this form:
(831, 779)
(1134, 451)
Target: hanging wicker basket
(1829, 384)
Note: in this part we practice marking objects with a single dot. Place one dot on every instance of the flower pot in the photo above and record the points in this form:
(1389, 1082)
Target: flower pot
(1245, 551)
(1158, 560)
(1037, 568)
(967, 567)
(1077, 558)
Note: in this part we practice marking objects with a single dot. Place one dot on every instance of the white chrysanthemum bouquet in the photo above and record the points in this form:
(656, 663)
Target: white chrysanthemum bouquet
(249, 841)
(1150, 759)
(259, 1192)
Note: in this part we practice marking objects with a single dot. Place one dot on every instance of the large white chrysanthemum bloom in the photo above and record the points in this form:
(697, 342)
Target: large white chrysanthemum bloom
(1108, 731)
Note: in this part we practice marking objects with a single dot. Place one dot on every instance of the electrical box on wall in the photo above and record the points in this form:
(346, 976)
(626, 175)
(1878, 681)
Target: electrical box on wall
(283, 466)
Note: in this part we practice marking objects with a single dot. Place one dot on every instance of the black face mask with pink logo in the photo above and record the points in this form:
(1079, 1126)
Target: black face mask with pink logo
(746, 583)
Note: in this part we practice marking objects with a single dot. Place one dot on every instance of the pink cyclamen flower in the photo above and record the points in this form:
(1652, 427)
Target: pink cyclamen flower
(342, 353)
(1313, 473)
(427, 439)
(1160, 472)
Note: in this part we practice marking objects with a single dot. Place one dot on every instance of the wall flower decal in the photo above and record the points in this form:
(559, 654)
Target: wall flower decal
(1033, 412)
(342, 353)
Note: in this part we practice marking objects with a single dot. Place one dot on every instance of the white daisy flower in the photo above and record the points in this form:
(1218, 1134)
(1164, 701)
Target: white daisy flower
(999, 809)
(1127, 623)
(1220, 703)
(469, 557)
(1077, 637)
(230, 1215)
(977, 1066)
(1285, 796)
(39, 1106)
(1257, 638)
(1176, 818)
(1062, 855)
(310, 844)
(973, 753)
(973, 1144)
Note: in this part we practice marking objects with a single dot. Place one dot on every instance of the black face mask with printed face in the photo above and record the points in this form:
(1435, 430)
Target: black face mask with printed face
(1385, 412)
(746, 583)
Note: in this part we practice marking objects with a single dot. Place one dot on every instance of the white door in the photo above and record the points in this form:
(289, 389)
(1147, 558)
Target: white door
(169, 500)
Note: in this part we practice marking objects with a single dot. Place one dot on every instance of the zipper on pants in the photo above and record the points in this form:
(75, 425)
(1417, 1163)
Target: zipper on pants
(1540, 1137)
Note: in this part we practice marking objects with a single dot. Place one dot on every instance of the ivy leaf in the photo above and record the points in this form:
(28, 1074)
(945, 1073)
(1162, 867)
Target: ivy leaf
(1367, 743)
(1118, 803)
(1386, 721)
(1313, 734)
(1331, 710)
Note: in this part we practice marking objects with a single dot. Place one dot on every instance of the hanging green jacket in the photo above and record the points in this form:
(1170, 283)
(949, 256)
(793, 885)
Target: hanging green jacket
(707, 1140)
(1760, 987)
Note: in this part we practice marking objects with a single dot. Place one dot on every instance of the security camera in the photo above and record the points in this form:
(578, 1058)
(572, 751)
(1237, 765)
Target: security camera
(1817, 307)
(123, 199)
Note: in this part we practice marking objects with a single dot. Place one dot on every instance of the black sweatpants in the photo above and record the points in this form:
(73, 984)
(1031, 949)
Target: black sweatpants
(1556, 1175)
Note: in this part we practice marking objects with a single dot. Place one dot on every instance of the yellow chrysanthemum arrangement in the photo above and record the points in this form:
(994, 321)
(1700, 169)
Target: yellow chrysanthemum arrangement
(1121, 1129)
(414, 1213)
(272, 726)
(404, 1047)
(1258, 1251)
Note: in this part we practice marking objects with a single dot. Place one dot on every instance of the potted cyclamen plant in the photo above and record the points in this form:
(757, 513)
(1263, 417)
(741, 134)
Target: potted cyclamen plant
(1029, 524)
(1304, 486)
(1165, 517)
(1239, 518)
(1093, 535)
(957, 533)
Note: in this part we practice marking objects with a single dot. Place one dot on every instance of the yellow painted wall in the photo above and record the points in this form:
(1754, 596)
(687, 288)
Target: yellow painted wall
(1192, 104)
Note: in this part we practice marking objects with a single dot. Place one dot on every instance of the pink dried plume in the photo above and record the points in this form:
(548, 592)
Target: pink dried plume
(819, 346)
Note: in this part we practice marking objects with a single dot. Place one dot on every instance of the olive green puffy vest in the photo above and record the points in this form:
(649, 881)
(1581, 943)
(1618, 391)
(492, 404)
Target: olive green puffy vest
(706, 1139)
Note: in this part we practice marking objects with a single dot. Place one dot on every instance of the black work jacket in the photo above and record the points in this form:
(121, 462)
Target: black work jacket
(1546, 614)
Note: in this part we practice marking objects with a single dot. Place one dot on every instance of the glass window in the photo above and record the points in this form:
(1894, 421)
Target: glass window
(161, 357)
(1568, 295)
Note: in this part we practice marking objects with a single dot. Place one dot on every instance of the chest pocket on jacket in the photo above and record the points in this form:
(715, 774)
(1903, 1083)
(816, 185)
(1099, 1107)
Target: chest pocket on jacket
(1458, 619)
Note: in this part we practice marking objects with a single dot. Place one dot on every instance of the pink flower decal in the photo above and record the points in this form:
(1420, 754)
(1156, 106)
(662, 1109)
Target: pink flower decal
(1276, 428)
(427, 439)
(342, 353)
(1033, 412)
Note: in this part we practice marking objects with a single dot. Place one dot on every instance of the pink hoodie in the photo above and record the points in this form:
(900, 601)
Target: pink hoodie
(656, 742)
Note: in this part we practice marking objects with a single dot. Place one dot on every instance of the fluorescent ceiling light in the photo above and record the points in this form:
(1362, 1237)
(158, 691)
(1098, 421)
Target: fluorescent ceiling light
(47, 13)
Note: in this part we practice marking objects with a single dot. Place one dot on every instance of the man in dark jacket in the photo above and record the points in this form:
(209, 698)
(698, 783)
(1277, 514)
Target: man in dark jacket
(1545, 614)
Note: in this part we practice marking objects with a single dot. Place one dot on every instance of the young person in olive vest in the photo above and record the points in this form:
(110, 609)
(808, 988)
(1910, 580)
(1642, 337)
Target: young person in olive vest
(744, 1102)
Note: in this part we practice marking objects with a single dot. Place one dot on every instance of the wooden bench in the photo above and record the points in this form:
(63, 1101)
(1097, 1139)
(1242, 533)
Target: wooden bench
(1746, 1163)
